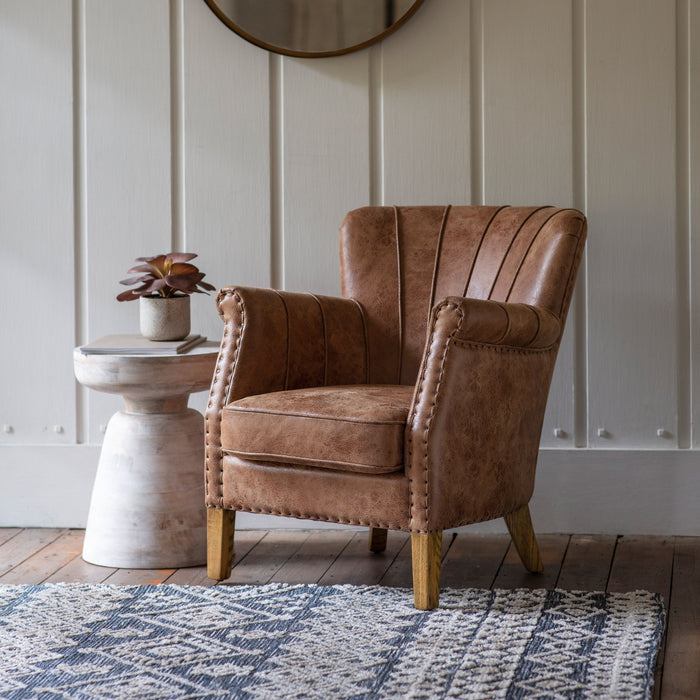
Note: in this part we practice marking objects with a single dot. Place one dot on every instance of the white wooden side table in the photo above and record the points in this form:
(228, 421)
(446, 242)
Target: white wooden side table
(147, 507)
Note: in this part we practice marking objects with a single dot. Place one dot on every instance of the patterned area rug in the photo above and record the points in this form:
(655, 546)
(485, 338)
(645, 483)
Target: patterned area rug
(293, 641)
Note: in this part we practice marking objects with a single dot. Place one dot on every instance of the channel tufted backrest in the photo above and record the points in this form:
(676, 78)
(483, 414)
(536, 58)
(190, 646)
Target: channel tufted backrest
(398, 262)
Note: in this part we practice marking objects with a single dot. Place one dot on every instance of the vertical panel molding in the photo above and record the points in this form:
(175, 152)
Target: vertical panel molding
(476, 100)
(683, 209)
(276, 171)
(376, 126)
(579, 304)
(80, 242)
(693, 161)
(177, 125)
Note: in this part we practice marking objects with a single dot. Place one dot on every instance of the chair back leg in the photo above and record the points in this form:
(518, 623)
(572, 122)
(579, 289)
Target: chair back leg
(377, 539)
(220, 528)
(520, 527)
(426, 551)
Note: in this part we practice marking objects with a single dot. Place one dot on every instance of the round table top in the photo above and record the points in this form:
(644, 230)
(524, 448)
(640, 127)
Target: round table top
(148, 375)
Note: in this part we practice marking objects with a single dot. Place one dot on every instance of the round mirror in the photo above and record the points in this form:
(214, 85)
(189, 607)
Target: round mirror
(313, 28)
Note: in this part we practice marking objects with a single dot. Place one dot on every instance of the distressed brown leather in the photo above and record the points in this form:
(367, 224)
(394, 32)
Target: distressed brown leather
(274, 341)
(377, 500)
(356, 428)
(463, 306)
(473, 433)
(398, 263)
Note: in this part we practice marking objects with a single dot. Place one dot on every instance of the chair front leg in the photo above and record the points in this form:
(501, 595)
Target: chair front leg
(520, 527)
(220, 529)
(426, 550)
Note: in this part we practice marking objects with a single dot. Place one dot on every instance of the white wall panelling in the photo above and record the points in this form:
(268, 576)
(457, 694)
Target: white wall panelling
(128, 128)
(527, 102)
(325, 154)
(528, 138)
(631, 211)
(36, 222)
(425, 107)
(127, 121)
(226, 159)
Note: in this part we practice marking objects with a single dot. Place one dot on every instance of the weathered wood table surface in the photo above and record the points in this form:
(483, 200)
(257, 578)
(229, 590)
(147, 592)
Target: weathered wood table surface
(147, 507)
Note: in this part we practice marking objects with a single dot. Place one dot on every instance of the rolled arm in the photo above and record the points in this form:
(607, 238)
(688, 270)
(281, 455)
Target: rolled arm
(473, 431)
(274, 341)
(504, 324)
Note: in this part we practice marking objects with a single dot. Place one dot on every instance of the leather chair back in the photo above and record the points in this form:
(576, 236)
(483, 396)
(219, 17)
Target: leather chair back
(398, 262)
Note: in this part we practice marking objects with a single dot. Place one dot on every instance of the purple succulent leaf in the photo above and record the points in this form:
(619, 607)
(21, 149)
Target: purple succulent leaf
(165, 275)
(181, 257)
(132, 294)
(136, 280)
(157, 265)
(128, 295)
(184, 283)
(205, 287)
(154, 286)
(139, 268)
(180, 268)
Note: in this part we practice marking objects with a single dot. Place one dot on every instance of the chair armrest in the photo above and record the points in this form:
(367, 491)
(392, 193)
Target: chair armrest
(473, 431)
(504, 324)
(290, 340)
(274, 341)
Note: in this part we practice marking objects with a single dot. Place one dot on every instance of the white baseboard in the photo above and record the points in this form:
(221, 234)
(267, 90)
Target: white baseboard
(578, 491)
(46, 485)
(644, 492)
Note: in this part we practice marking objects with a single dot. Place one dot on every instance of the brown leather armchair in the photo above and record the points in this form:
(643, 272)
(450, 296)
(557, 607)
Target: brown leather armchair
(413, 403)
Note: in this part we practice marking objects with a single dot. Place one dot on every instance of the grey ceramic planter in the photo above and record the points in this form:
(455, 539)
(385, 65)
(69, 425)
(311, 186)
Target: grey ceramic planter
(165, 318)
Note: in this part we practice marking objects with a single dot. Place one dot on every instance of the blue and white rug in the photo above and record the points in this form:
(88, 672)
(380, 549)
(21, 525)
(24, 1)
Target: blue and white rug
(294, 641)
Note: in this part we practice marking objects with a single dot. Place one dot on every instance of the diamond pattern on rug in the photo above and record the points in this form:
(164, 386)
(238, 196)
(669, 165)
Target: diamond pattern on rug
(78, 641)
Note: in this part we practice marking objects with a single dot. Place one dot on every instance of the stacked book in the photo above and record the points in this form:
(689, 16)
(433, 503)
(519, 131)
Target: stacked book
(134, 344)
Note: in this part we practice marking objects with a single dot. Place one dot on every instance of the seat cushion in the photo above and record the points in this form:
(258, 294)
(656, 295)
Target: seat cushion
(358, 428)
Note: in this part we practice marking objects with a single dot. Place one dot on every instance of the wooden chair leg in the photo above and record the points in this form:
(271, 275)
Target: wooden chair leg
(426, 550)
(520, 527)
(377, 539)
(220, 528)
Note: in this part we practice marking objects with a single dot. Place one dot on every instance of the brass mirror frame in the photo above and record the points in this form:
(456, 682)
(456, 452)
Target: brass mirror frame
(311, 54)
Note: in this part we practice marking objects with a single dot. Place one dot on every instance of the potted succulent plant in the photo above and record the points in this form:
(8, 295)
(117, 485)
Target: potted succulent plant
(164, 295)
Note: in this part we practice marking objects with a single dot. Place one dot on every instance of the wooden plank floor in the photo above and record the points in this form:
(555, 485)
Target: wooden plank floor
(666, 565)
